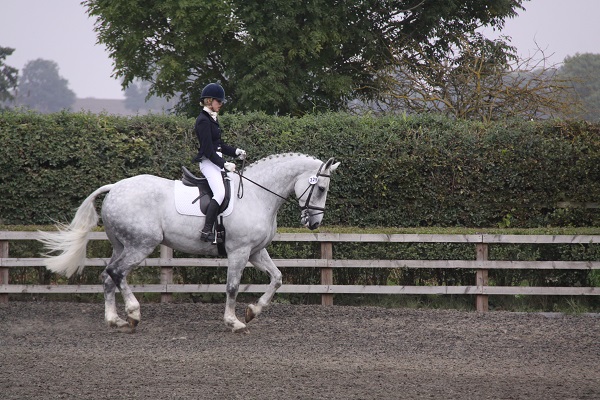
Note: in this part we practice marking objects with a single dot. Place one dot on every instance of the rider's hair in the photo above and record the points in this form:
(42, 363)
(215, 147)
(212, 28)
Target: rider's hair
(207, 101)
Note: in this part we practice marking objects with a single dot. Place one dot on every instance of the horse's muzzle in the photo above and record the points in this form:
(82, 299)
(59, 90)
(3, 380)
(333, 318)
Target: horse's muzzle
(305, 220)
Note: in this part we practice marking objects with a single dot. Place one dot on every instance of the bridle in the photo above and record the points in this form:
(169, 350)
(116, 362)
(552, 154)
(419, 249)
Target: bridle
(304, 210)
(312, 181)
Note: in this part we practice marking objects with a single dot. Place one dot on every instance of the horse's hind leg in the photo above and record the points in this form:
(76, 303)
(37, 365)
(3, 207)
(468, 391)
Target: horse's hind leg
(117, 272)
(111, 317)
(110, 305)
(263, 262)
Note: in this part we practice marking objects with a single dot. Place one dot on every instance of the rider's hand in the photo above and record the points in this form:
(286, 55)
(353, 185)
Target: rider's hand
(229, 166)
(241, 153)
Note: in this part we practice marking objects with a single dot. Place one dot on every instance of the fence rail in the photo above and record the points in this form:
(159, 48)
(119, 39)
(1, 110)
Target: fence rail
(481, 289)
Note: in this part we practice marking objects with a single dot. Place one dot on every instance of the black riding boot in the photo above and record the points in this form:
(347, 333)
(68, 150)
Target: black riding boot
(207, 234)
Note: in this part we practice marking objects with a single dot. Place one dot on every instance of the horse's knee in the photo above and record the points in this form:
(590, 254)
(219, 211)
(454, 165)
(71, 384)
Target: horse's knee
(232, 290)
(277, 276)
(277, 279)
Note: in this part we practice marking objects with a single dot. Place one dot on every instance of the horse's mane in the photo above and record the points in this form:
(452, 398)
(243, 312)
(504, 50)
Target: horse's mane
(281, 155)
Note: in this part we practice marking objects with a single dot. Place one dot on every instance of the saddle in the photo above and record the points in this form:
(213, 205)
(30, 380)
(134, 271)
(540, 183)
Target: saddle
(189, 179)
(205, 194)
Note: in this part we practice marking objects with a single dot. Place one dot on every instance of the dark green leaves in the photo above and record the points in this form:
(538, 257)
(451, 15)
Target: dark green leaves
(286, 57)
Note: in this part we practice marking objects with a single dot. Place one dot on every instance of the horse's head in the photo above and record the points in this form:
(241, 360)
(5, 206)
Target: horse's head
(311, 190)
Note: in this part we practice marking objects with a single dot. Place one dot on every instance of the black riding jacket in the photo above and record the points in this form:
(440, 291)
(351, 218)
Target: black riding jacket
(208, 133)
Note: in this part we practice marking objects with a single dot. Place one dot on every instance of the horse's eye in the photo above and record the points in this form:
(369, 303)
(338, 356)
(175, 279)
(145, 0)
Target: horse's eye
(321, 188)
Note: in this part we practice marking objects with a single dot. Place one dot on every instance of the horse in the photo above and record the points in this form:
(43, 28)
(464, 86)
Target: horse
(139, 214)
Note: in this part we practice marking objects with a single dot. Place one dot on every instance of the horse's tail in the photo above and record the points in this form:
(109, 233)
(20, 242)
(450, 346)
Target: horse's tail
(71, 240)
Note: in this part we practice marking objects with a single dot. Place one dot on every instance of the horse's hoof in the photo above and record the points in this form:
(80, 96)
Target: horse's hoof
(249, 314)
(236, 326)
(118, 323)
(241, 330)
(133, 323)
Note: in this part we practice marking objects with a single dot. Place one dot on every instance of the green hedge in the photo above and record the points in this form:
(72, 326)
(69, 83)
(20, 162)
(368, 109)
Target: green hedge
(396, 171)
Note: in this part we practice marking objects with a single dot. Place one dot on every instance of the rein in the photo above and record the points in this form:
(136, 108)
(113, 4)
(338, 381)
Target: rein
(311, 186)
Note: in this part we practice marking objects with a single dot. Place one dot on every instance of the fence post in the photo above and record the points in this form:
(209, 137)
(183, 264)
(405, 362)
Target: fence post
(481, 278)
(3, 270)
(166, 273)
(327, 273)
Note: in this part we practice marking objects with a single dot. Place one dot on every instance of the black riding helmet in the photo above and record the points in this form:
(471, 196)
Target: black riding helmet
(213, 90)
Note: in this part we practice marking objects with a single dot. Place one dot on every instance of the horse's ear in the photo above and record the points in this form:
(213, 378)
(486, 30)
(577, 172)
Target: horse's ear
(330, 166)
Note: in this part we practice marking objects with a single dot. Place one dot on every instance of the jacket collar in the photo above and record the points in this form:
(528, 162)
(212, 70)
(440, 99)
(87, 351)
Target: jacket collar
(211, 113)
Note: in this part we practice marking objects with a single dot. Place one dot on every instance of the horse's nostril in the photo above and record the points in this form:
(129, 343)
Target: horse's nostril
(314, 226)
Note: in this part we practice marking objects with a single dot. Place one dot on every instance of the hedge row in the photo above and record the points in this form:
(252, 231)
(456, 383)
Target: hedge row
(396, 171)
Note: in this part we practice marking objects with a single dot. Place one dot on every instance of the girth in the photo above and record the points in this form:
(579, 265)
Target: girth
(189, 179)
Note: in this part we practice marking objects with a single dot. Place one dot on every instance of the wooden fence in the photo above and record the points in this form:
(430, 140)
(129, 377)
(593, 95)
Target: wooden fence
(480, 289)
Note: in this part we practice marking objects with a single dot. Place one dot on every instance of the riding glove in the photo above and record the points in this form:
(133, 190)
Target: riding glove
(241, 153)
(230, 166)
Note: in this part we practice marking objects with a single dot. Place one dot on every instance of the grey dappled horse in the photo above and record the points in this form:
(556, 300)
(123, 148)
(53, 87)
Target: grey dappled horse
(139, 213)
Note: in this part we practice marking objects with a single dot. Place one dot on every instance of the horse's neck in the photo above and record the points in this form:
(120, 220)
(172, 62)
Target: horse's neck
(279, 174)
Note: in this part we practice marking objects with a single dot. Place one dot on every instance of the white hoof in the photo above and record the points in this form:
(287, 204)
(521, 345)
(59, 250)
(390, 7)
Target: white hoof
(116, 323)
(236, 325)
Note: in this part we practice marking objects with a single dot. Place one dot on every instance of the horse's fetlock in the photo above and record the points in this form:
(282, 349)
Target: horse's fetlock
(134, 312)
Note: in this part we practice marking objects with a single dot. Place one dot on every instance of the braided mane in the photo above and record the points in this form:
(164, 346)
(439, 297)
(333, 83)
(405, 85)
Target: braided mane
(281, 155)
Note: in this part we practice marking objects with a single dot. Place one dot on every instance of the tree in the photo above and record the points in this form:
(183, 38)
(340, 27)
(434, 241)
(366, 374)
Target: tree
(8, 77)
(42, 88)
(478, 79)
(137, 98)
(583, 71)
(279, 56)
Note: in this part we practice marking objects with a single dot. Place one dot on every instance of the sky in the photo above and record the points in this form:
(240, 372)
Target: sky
(61, 31)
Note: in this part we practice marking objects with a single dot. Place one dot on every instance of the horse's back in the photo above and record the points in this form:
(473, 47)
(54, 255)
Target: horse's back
(137, 203)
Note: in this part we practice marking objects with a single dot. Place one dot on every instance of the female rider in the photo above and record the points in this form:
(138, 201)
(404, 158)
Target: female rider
(210, 153)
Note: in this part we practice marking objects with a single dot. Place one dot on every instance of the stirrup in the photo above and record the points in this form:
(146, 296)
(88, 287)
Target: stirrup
(207, 236)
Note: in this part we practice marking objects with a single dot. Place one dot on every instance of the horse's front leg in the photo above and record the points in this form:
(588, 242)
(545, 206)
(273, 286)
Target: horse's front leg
(236, 262)
(263, 262)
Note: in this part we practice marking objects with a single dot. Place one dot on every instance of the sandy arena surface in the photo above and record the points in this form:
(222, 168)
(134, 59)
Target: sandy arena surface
(52, 350)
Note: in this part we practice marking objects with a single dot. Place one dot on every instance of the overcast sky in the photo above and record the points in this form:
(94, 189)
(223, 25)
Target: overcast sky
(60, 30)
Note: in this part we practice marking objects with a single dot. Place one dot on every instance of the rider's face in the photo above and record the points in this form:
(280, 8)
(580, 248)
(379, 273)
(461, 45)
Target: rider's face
(216, 105)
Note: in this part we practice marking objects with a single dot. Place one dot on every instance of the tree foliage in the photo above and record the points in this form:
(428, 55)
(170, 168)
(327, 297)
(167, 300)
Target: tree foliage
(8, 77)
(42, 88)
(478, 79)
(137, 98)
(583, 71)
(279, 56)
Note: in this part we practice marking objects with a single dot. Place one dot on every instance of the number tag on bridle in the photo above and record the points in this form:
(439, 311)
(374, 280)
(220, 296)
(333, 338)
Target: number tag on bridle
(313, 180)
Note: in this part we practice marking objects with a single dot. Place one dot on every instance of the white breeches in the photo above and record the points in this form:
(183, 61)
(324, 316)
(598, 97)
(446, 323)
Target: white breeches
(213, 174)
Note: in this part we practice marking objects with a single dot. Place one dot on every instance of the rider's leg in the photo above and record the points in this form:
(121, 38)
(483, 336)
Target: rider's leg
(213, 175)
(207, 234)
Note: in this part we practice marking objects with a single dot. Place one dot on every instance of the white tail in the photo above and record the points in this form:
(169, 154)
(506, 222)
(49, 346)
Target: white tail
(71, 241)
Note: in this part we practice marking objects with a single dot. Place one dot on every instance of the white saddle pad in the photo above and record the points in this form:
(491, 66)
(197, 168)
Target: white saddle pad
(185, 195)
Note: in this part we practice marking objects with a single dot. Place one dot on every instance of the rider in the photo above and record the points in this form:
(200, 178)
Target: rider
(210, 153)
